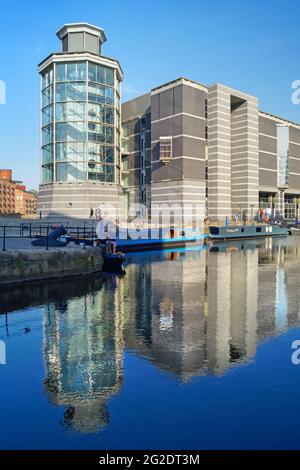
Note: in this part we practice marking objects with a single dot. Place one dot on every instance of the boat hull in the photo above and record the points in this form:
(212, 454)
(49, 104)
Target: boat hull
(236, 232)
(294, 231)
(127, 246)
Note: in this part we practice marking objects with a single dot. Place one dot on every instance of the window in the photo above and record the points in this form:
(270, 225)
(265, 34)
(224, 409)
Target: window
(75, 91)
(100, 77)
(47, 78)
(282, 156)
(143, 123)
(109, 95)
(60, 72)
(165, 149)
(70, 111)
(66, 132)
(110, 77)
(125, 129)
(92, 72)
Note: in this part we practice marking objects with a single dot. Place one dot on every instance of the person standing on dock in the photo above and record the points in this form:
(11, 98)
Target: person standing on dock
(92, 213)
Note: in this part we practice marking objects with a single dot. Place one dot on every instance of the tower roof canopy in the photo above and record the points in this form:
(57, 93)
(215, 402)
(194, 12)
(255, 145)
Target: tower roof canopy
(82, 27)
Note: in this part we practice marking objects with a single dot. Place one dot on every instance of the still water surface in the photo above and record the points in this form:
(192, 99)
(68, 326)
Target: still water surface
(188, 349)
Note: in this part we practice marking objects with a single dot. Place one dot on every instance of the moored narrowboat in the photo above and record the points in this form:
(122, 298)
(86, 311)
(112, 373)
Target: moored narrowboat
(231, 232)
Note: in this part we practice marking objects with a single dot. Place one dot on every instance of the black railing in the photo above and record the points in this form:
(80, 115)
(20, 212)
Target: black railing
(32, 230)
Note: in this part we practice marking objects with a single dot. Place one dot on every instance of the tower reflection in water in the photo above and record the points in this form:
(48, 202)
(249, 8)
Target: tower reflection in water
(83, 351)
(189, 313)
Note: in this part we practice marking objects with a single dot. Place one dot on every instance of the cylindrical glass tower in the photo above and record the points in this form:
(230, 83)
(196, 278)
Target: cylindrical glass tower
(80, 112)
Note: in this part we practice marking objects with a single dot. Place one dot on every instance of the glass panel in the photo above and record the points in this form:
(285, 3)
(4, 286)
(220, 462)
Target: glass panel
(47, 135)
(100, 74)
(96, 112)
(47, 154)
(70, 171)
(70, 131)
(101, 94)
(109, 95)
(70, 92)
(71, 111)
(47, 78)
(47, 115)
(72, 151)
(60, 72)
(81, 71)
(109, 116)
(47, 96)
(71, 72)
(109, 77)
(61, 172)
(109, 174)
(125, 129)
(109, 155)
(92, 72)
(96, 152)
(47, 173)
(110, 135)
(125, 162)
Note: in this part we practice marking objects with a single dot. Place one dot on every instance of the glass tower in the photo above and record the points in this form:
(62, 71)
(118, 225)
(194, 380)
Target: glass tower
(80, 110)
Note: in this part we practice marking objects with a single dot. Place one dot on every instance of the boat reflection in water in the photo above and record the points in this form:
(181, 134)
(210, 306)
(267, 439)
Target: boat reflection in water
(190, 313)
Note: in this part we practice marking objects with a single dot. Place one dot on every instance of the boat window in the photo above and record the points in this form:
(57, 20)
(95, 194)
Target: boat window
(214, 230)
(258, 229)
(242, 230)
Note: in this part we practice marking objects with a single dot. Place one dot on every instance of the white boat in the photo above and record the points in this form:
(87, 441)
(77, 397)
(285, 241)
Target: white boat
(294, 231)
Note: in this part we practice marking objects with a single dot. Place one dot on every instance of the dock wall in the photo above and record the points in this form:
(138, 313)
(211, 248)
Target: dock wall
(40, 264)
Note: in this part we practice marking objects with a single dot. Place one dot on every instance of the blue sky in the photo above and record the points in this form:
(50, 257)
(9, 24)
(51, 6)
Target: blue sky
(253, 46)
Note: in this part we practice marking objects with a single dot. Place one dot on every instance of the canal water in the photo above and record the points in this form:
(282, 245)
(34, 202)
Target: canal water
(190, 349)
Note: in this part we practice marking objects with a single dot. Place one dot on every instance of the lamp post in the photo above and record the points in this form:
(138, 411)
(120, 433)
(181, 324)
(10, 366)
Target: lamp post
(252, 207)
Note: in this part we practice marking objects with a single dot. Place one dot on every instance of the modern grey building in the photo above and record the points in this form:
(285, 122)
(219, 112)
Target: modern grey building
(80, 125)
(185, 142)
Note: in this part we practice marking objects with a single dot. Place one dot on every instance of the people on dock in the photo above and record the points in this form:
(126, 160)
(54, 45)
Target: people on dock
(98, 213)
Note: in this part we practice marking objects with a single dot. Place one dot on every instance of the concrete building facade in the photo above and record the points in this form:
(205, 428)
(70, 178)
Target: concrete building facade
(222, 150)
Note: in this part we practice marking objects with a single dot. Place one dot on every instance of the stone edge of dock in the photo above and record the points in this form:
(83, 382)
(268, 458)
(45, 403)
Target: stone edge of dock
(19, 266)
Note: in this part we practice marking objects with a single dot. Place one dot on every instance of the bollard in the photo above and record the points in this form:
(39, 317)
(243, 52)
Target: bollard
(47, 240)
(4, 240)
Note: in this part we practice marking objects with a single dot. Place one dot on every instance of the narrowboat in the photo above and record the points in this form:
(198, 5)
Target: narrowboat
(231, 232)
(294, 230)
(172, 240)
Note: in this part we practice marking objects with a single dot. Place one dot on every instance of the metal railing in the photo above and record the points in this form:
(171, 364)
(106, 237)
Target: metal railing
(33, 230)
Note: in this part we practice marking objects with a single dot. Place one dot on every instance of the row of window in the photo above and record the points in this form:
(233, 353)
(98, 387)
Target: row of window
(77, 172)
(78, 91)
(76, 131)
(79, 71)
(79, 152)
(71, 71)
(74, 111)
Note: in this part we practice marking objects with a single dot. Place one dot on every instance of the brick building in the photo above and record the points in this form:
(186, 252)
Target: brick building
(14, 199)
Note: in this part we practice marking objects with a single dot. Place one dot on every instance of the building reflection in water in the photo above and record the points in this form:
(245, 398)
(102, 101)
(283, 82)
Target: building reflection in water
(83, 351)
(190, 313)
